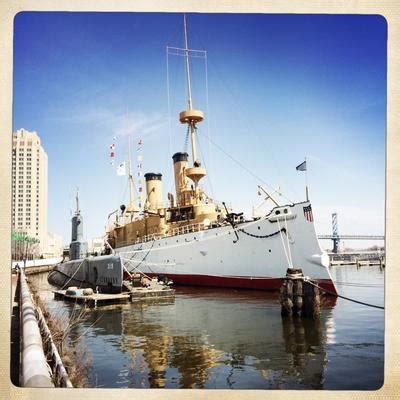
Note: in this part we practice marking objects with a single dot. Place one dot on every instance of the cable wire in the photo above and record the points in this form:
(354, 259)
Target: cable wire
(344, 297)
(244, 167)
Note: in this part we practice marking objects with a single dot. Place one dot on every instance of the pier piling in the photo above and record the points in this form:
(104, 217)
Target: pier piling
(298, 296)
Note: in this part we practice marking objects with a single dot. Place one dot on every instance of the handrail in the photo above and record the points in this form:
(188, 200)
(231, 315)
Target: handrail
(157, 236)
(60, 373)
(35, 370)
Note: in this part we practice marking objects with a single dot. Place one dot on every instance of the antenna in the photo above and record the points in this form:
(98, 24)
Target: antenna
(77, 201)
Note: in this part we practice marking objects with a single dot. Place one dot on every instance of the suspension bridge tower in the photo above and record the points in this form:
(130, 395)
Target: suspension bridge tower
(335, 233)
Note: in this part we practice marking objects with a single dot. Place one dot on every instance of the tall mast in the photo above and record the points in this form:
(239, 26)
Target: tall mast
(130, 175)
(191, 117)
(187, 64)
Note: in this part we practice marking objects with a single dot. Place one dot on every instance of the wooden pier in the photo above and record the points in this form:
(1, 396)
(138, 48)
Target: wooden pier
(97, 299)
(359, 258)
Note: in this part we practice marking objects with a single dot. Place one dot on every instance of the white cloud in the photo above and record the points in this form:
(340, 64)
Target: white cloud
(117, 123)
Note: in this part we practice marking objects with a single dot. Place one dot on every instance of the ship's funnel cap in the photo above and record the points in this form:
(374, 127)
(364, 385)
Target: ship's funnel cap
(180, 157)
(151, 176)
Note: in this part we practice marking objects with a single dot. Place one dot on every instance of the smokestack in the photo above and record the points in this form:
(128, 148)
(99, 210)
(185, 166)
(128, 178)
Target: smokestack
(153, 191)
(181, 181)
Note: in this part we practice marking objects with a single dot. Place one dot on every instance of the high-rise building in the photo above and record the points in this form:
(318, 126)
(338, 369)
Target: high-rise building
(29, 191)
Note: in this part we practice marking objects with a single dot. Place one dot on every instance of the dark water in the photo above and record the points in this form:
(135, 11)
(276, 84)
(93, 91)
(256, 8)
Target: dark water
(218, 338)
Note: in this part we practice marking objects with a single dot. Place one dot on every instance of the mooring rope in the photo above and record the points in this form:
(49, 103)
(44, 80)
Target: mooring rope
(69, 280)
(341, 296)
(288, 244)
(283, 245)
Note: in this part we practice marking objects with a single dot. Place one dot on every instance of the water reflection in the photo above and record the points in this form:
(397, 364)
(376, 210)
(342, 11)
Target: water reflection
(216, 338)
(236, 340)
(305, 344)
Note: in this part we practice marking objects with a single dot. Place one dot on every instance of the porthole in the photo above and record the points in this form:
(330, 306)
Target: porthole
(285, 211)
(258, 228)
(277, 212)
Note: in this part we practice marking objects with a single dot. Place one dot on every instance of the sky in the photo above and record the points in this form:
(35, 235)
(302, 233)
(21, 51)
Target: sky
(275, 89)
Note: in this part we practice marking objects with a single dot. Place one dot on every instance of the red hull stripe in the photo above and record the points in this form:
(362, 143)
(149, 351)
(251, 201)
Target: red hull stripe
(238, 282)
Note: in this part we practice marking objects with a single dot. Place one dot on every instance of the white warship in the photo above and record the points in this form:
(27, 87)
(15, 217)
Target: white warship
(197, 241)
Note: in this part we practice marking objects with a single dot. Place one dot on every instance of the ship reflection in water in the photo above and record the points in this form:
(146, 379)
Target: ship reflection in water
(207, 338)
(222, 338)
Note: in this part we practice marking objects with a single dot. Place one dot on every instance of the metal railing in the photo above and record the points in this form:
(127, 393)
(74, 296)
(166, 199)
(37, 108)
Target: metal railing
(187, 229)
(60, 375)
(35, 371)
(157, 236)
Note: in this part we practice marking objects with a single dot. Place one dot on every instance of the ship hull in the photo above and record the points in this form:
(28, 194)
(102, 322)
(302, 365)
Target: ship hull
(257, 259)
(103, 273)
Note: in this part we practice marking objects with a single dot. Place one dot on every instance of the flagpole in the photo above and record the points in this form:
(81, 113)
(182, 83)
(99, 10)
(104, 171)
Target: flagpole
(130, 176)
(305, 160)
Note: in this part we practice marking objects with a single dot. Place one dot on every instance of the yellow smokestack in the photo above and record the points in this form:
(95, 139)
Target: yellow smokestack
(181, 181)
(154, 191)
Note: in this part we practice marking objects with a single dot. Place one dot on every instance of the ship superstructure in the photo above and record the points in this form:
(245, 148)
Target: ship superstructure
(196, 241)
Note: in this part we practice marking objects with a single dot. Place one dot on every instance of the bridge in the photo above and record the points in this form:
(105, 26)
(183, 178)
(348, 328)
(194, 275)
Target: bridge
(336, 238)
(355, 237)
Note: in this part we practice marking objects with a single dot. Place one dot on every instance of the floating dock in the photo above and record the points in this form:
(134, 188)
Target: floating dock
(96, 299)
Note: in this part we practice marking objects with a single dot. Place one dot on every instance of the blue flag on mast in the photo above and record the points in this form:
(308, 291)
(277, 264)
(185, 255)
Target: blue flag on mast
(302, 166)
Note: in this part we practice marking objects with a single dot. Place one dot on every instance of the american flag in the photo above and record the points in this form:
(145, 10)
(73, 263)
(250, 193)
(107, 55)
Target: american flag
(308, 213)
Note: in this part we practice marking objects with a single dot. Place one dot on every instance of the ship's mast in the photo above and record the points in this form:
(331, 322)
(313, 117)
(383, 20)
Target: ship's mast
(191, 117)
(77, 212)
(130, 176)
(187, 64)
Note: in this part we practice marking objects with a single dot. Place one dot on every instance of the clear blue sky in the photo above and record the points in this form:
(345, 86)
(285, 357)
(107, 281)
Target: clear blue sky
(280, 87)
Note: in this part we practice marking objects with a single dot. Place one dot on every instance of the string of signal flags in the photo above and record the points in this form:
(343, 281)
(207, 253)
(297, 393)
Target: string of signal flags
(121, 167)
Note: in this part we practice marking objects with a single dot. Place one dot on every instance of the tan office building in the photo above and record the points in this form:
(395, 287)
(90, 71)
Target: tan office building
(29, 192)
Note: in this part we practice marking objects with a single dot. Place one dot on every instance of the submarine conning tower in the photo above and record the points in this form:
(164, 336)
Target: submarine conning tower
(154, 194)
(77, 247)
